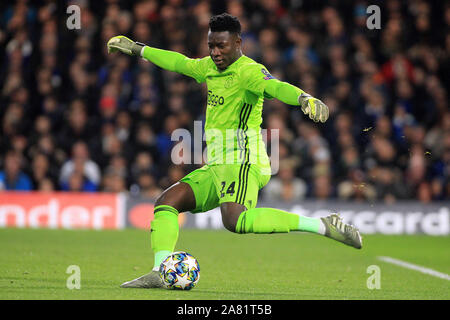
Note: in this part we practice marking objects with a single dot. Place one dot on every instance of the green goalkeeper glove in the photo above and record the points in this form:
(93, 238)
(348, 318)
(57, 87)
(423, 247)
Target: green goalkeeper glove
(314, 108)
(125, 45)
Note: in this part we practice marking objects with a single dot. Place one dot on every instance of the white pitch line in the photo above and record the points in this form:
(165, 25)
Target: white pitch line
(411, 266)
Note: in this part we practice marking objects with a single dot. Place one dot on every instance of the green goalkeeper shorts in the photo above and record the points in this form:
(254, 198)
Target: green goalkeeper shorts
(218, 183)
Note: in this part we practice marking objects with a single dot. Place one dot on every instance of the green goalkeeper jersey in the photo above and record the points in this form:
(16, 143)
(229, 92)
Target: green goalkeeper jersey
(234, 103)
(234, 110)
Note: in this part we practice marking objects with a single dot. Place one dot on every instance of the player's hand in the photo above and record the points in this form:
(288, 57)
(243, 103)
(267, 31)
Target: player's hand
(125, 45)
(314, 108)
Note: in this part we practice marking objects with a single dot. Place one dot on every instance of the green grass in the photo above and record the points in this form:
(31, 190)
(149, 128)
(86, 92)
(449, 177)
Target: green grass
(292, 266)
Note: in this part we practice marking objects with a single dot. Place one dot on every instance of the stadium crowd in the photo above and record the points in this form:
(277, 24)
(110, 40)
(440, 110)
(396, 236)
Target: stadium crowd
(73, 117)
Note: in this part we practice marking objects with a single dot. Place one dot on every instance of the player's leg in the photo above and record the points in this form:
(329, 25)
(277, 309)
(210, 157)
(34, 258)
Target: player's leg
(240, 214)
(239, 186)
(164, 230)
(196, 192)
(230, 214)
(164, 227)
(238, 219)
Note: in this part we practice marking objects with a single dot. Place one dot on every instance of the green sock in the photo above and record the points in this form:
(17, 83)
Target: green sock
(164, 232)
(269, 220)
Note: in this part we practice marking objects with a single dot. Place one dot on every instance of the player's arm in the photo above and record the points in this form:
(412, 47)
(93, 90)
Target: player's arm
(258, 80)
(289, 94)
(165, 59)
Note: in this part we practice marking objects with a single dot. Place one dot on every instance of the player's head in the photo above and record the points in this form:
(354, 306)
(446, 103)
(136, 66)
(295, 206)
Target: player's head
(224, 40)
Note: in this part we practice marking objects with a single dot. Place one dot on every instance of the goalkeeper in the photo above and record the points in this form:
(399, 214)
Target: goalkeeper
(238, 165)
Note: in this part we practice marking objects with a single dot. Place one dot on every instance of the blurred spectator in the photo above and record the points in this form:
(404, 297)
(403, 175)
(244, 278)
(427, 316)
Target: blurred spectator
(416, 170)
(145, 140)
(356, 188)
(118, 166)
(114, 182)
(42, 170)
(77, 125)
(83, 167)
(148, 186)
(143, 163)
(164, 139)
(12, 177)
(123, 126)
(321, 187)
(424, 192)
(77, 182)
(285, 186)
(348, 161)
(46, 185)
(388, 184)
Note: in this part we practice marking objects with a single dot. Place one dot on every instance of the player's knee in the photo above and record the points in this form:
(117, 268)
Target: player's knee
(230, 215)
(166, 200)
(229, 224)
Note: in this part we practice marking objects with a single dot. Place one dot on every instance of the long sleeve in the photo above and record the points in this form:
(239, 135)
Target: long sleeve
(258, 80)
(176, 62)
(283, 91)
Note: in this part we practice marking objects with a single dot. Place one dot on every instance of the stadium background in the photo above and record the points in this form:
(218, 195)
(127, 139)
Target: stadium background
(75, 119)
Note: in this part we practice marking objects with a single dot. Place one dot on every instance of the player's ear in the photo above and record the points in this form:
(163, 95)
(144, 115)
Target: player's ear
(238, 41)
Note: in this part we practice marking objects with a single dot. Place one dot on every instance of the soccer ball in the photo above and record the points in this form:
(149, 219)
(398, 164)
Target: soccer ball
(179, 270)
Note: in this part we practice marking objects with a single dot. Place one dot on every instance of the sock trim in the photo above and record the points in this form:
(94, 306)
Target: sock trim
(241, 222)
(165, 208)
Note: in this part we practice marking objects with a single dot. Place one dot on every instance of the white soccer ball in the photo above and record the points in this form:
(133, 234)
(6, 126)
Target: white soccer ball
(179, 270)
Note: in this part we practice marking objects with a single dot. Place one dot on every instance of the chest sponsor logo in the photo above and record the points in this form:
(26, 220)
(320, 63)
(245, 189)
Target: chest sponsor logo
(214, 99)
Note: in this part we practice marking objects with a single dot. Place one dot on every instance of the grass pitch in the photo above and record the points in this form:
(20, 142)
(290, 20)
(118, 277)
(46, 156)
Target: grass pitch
(293, 266)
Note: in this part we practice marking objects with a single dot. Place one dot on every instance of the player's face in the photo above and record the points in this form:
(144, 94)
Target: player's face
(224, 48)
